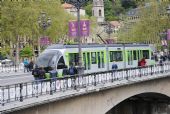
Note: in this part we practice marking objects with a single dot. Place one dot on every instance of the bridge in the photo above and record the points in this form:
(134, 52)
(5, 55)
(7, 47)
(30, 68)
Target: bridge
(96, 93)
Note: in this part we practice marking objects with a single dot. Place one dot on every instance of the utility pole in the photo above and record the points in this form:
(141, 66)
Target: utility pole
(78, 4)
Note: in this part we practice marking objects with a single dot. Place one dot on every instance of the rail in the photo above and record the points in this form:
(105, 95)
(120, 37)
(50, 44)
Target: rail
(22, 91)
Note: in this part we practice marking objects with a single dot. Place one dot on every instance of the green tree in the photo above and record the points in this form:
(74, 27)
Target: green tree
(26, 52)
(88, 8)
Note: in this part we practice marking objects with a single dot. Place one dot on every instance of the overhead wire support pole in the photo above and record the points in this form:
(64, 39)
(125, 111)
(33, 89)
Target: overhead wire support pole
(78, 4)
(80, 71)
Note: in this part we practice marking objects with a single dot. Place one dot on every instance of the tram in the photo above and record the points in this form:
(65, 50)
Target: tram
(95, 57)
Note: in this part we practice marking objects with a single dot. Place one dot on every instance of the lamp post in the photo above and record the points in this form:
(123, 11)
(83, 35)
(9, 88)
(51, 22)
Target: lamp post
(78, 4)
(44, 22)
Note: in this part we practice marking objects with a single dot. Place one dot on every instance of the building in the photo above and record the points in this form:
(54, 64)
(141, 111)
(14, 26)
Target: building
(72, 10)
(116, 25)
(98, 10)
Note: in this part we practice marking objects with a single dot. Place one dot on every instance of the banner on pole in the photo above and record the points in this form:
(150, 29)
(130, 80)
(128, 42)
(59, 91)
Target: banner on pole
(44, 41)
(73, 29)
(84, 28)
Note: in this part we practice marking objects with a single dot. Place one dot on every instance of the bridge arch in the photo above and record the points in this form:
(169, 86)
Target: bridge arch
(148, 101)
(118, 95)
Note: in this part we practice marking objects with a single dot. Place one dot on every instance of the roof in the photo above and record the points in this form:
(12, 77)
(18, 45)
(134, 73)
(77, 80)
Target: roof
(115, 23)
(61, 46)
(67, 6)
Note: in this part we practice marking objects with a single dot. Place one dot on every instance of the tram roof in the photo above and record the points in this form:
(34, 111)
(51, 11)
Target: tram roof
(62, 46)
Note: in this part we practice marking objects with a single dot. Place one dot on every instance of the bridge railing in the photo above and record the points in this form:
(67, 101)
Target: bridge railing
(22, 91)
(11, 68)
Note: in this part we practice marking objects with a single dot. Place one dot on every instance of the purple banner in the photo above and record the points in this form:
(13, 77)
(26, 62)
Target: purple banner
(168, 34)
(45, 41)
(84, 28)
(73, 29)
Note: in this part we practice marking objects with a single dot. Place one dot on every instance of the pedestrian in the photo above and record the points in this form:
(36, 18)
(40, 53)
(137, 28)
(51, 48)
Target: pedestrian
(53, 73)
(72, 70)
(35, 73)
(41, 73)
(26, 63)
(65, 70)
(31, 64)
(143, 62)
(114, 66)
(161, 62)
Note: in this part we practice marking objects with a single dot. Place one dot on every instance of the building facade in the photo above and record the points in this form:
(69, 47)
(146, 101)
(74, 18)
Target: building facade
(98, 10)
(72, 10)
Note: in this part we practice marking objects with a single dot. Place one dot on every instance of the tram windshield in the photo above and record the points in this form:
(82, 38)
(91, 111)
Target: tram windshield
(48, 58)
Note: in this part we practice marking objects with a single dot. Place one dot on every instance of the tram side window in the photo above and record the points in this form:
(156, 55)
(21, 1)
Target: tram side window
(146, 54)
(116, 56)
(134, 55)
(93, 57)
(102, 55)
(73, 59)
(61, 63)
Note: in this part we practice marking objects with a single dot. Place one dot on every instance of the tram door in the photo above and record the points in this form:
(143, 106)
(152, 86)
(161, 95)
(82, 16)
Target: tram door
(98, 59)
(129, 58)
(86, 60)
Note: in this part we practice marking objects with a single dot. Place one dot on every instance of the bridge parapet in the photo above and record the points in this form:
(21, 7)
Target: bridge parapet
(91, 82)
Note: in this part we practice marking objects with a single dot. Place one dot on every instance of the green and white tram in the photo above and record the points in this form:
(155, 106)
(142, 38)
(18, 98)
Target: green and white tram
(96, 57)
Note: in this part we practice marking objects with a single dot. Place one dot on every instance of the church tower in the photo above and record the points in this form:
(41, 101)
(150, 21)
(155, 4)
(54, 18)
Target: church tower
(98, 10)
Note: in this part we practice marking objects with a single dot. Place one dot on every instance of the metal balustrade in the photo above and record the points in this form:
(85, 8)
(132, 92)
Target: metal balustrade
(22, 91)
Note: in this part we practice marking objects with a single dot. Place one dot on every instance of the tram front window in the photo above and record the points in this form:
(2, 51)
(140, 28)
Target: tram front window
(48, 59)
(44, 59)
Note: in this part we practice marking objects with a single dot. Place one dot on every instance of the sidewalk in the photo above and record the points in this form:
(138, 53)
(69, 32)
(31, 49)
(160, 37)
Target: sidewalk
(12, 73)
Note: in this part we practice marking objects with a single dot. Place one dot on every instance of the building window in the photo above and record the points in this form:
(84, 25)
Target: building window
(100, 13)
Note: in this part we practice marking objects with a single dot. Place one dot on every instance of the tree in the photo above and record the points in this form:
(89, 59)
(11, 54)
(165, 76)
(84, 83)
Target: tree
(26, 52)
(88, 8)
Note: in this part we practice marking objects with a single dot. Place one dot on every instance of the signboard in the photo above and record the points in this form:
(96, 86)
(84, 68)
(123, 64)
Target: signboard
(45, 41)
(168, 34)
(73, 29)
(84, 28)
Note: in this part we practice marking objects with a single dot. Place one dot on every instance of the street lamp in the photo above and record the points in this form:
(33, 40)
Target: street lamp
(44, 22)
(78, 4)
